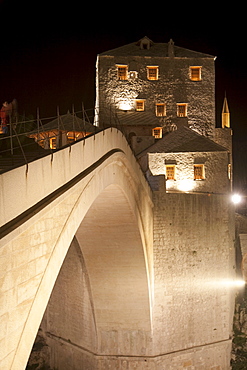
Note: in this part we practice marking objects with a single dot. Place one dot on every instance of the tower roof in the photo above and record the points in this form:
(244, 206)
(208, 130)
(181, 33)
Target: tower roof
(146, 47)
(183, 140)
(225, 115)
(225, 108)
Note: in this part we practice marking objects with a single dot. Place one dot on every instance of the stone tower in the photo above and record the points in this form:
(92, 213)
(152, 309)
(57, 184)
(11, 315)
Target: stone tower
(225, 114)
(153, 85)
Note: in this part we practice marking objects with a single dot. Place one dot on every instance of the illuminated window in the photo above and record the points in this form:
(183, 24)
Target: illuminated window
(152, 73)
(140, 105)
(157, 132)
(53, 142)
(160, 110)
(195, 73)
(170, 172)
(182, 110)
(122, 72)
(71, 137)
(199, 172)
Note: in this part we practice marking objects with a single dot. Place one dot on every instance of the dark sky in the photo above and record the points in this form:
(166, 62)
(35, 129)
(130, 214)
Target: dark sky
(49, 50)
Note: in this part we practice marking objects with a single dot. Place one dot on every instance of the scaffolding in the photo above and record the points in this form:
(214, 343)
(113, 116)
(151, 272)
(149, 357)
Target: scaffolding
(24, 140)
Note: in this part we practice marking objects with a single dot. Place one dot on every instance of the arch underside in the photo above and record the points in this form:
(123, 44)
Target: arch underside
(99, 305)
(114, 256)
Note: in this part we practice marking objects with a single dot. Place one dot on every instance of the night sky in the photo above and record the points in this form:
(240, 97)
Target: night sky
(49, 50)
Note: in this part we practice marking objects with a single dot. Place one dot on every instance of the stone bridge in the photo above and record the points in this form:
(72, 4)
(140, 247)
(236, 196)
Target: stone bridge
(110, 274)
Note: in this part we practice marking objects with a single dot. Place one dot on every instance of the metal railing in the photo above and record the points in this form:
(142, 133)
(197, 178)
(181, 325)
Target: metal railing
(29, 139)
(18, 146)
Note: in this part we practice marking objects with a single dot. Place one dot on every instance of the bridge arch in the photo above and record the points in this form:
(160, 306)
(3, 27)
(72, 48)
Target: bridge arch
(113, 250)
(110, 172)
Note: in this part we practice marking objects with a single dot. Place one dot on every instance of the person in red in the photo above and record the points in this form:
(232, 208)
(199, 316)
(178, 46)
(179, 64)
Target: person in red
(4, 117)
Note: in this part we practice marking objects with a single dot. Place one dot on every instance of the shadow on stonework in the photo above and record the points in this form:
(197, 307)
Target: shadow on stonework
(39, 357)
(239, 343)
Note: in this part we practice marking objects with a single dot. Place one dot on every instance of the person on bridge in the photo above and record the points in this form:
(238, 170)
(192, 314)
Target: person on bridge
(4, 113)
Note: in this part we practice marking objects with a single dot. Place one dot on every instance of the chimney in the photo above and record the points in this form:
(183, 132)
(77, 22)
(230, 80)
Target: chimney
(171, 48)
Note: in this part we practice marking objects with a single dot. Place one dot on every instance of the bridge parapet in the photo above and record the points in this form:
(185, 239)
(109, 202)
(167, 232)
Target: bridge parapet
(20, 189)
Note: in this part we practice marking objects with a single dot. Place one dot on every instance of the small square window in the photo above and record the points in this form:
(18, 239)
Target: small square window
(199, 172)
(170, 172)
(72, 136)
(53, 142)
(122, 72)
(152, 73)
(157, 132)
(195, 73)
(133, 75)
(160, 110)
(140, 105)
(182, 110)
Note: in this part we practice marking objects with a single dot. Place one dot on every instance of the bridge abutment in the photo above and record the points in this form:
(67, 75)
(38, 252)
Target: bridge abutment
(194, 266)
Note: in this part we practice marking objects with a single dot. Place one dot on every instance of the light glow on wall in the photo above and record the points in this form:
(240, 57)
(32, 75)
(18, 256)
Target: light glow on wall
(186, 185)
(234, 283)
(229, 283)
(125, 105)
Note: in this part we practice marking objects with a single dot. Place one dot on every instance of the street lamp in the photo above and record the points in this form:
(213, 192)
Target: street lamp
(236, 198)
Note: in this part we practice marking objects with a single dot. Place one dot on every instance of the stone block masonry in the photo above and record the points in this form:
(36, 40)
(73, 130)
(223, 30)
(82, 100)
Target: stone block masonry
(193, 261)
(173, 86)
(193, 307)
(68, 338)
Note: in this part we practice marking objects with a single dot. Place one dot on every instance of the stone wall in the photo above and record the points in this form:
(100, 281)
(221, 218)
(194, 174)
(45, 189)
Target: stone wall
(193, 263)
(215, 168)
(239, 348)
(201, 358)
(193, 303)
(223, 136)
(68, 324)
(173, 86)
